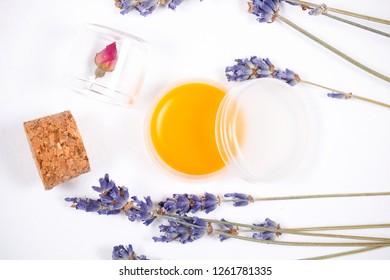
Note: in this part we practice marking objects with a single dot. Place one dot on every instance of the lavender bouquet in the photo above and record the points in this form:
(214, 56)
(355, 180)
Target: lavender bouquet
(180, 224)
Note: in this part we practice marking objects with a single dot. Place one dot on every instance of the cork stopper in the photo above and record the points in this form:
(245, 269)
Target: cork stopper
(57, 148)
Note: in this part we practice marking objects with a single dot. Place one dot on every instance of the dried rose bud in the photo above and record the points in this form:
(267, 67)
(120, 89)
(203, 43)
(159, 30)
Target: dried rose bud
(105, 60)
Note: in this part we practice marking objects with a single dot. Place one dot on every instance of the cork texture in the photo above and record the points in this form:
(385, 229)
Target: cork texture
(57, 148)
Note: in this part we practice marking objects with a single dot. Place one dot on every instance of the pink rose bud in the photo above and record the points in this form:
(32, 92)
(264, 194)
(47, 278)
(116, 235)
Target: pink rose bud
(105, 60)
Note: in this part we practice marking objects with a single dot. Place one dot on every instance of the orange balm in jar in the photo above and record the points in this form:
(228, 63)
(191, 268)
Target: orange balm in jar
(258, 130)
(182, 130)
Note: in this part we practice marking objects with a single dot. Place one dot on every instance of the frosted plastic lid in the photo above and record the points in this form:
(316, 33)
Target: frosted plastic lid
(262, 129)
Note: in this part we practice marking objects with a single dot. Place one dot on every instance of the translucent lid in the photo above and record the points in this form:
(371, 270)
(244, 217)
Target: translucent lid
(262, 129)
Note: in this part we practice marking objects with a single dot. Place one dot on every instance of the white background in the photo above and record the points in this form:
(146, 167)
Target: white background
(199, 39)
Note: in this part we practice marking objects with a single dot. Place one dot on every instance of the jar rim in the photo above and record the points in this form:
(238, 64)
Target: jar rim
(249, 156)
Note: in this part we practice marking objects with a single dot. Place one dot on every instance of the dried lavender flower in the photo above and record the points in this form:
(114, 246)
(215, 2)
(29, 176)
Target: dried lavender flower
(174, 3)
(87, 205)
(112, 198)
(210, 202)
(184, 203)
(247, 69)
(105, 184)
(240, 199)
(121, 252)
(179, 204)
(126, 5)
(339, 95)
(138, 210)
(267, 235)
(265, 10)
(183, 230)
(147, 7)
(290, 77)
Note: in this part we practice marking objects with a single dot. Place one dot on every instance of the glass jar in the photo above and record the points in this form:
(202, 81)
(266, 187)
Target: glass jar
(259, 128)
(107, 64)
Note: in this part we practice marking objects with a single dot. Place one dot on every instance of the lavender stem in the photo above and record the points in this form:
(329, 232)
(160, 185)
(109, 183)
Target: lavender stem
(294, 243)
(379, 32)
(342, 227)
(321, 196)
(324, 257)
(334, 50)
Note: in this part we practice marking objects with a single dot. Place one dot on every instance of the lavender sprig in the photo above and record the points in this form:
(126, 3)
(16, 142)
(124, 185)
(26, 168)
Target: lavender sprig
(112, 198)
(254, 67)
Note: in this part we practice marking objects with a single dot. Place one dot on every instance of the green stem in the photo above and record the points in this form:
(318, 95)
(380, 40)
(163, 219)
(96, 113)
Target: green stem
(311, 196)
(295, 243)
(343, 12)
(382, 33)
(365, 249)
(371, 101)
(334, 50)
(350, 94)
(342, 227)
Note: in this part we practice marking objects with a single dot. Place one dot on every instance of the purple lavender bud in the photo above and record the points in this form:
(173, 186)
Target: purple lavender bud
(173, 232)
(105, 184)
(338, 95)
(174, 3)
(199, 229)
(147, 7)
(168, 205)
(116, 198)
(141, 211)
(210, 202)
(184, 203)
(87, 205)
(241, 196)
(290, 77)
(247, 69)
(125, 253)
(239, 199)
(106, 211)
(267, 235)
(126, 5)
(195, 203)
(265, 10)
(182, 230)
